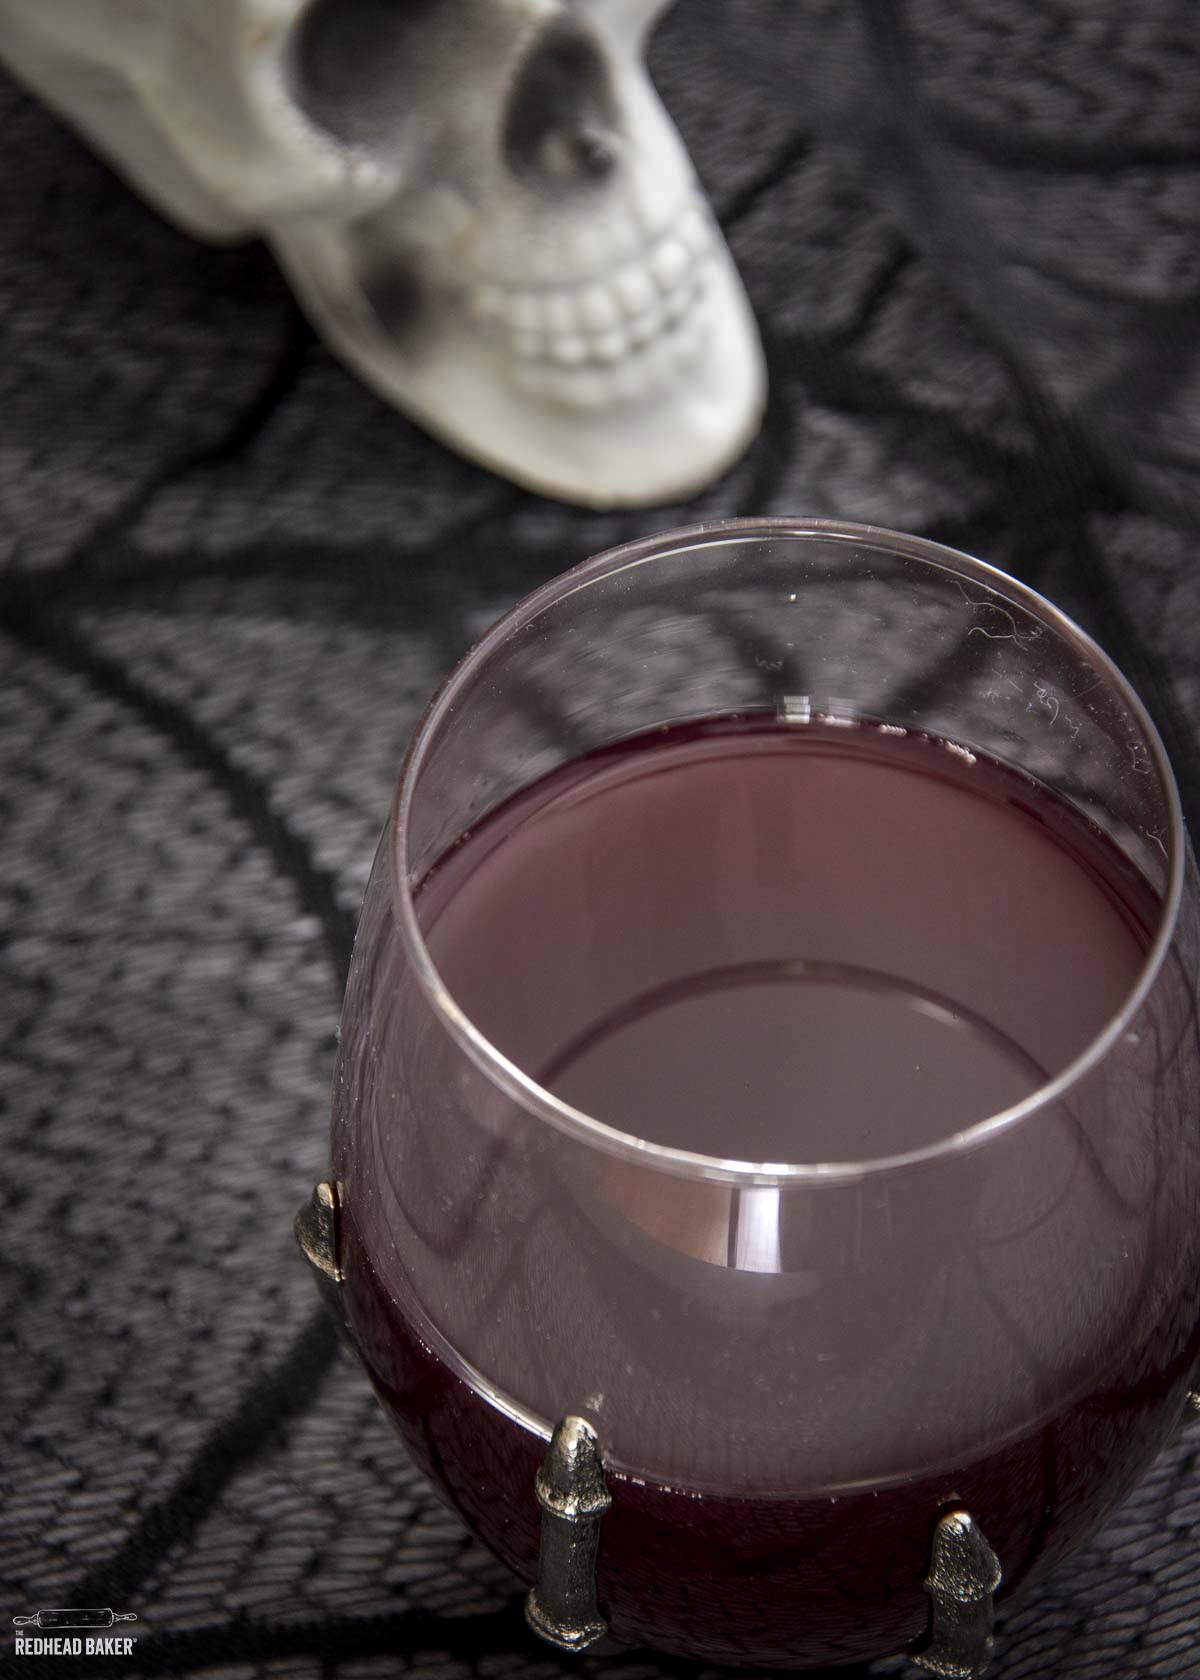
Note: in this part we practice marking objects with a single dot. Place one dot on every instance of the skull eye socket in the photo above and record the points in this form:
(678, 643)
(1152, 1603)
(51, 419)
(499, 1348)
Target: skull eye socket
(353, 59)
(560, 125)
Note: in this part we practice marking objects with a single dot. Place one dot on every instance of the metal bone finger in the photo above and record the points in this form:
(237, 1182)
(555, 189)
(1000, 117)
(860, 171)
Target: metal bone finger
(964, 1574)
(571, 1490)
(317, 1228)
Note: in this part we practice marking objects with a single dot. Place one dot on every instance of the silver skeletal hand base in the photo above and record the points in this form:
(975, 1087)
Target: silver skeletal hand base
(562, 1607)
(964, 1572)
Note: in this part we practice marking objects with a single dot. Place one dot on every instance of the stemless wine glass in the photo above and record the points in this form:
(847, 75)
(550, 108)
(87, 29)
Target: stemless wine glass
(1014, 1307)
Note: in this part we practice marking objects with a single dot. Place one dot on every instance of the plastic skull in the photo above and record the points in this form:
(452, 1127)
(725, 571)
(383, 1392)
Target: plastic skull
(481, 203)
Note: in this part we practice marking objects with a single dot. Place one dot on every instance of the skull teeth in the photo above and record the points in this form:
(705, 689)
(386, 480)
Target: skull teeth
(569, 350)
(598, 309)
(523, 310)
(561, 312)
(611, 346)
(669, 264)
(634, 289)
(623, 378)
(612, 320)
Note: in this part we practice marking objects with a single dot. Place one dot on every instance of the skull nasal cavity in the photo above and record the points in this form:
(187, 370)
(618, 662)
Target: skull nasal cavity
(560, 127)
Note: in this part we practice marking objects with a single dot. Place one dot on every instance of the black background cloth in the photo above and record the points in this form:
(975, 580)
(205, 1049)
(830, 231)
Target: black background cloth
(231, 577)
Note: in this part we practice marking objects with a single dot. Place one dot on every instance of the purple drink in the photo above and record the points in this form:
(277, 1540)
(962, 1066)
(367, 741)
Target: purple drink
(780, 942)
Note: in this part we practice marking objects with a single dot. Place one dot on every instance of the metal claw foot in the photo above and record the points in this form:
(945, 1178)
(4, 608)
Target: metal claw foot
(570, 1486)
(964, 1574)
(317, 1231)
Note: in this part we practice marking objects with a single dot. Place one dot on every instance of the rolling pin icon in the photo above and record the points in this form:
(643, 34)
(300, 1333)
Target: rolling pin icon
(74, 1618)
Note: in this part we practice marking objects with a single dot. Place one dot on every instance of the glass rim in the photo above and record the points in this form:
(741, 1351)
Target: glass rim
(686, 1163)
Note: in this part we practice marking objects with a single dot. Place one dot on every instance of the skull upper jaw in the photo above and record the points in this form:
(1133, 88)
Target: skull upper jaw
(649, 412)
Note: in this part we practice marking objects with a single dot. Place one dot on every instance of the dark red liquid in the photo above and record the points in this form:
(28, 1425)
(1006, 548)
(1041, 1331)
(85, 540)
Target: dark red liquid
(786, 1581)
(780, 942)
(791, 943)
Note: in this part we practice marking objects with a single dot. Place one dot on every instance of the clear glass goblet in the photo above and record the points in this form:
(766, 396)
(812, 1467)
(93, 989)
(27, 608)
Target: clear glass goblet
(786, 1384)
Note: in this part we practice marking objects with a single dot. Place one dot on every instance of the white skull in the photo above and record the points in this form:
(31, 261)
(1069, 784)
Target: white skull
(481, 203)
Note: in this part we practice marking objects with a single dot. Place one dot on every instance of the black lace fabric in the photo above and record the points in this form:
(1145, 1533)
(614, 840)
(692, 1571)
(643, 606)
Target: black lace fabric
(231, 577)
